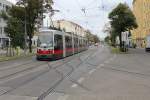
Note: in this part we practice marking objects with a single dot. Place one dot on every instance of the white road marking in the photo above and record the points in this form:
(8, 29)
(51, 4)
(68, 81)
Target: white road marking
(74, 85)
(92, 71)
(81, 80)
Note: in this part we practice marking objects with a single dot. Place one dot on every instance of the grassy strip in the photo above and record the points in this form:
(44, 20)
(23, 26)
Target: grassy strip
(117, 51)
(4, 58)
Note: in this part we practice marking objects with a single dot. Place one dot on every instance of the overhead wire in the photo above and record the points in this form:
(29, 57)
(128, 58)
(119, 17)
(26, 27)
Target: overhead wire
(93, 1)
(84, 12)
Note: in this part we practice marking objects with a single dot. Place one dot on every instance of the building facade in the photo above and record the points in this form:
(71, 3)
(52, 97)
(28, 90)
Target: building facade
(141, 10)
(4, 6)
(69, 26)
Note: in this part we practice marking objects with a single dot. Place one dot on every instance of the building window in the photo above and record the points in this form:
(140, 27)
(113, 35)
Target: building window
(3, 6)
(7, 7)
(1, 30)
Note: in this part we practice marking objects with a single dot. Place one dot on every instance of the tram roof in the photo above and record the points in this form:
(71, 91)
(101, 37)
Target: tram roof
(48, 30)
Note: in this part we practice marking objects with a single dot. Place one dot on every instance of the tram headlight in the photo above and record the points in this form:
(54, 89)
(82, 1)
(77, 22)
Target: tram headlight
(38, 50)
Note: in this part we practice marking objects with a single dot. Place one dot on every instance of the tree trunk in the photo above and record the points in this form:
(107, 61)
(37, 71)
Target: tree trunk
(30, 44)
(120, 39)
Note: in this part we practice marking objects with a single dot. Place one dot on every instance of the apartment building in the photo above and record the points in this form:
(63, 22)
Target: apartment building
(141, 10)
(69, 26)
(4, 6)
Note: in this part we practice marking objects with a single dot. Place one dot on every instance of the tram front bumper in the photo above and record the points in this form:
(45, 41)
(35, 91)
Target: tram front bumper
(44, 56)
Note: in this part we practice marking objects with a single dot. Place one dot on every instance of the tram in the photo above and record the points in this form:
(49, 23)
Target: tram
(54, 44)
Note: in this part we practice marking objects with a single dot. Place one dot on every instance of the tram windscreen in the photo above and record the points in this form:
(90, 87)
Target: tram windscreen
(45, 40)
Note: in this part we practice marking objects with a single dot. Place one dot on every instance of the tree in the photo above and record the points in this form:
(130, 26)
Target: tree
(89, 36)
(96, 39)
(122, 19)
(33, 10)
(107, 38)
(111, 34)
(15, 26)
(25, 13)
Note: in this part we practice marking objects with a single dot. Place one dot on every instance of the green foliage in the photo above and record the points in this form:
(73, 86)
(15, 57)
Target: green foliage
(107, 38)
(32, 10)
(96, 39)
(15, 27)
(122, 19)
(24, 11)
(91, 37)
(3, 15)
(15, 31)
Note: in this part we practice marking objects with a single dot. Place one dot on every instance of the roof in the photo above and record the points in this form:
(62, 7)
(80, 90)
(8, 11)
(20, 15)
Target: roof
(70, 22)
(47, 30)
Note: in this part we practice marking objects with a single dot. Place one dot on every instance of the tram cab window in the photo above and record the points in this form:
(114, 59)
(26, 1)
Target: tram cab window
(45, 39)
(58, 42)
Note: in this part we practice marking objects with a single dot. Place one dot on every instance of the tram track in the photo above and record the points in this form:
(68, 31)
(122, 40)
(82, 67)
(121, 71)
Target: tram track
(8, 77)
(17, 66)
(25, 69)
(32, 68)
(51, 90)
(65, 62)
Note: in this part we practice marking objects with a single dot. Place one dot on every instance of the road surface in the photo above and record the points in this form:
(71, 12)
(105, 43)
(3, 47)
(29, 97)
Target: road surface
(95, 74)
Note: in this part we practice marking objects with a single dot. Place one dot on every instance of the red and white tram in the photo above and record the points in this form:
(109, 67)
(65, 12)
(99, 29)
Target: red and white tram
(54, 44)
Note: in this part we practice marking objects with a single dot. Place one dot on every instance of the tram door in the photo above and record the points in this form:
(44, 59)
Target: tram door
(58, 46)
(69, 49)
(75, 44)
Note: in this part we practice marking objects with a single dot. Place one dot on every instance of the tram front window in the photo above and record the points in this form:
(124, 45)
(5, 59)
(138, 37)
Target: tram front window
(45, 41)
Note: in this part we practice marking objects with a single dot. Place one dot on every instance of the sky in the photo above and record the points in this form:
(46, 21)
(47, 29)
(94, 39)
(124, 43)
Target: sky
(90, 14)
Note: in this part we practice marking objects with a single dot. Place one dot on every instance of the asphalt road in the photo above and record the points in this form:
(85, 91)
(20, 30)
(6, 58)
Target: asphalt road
(95, 74)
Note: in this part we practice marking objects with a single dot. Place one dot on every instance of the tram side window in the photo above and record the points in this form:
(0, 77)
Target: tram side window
(68, 42)
(58, 42)
(80, 43)
(75, 42)
(84, 43)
